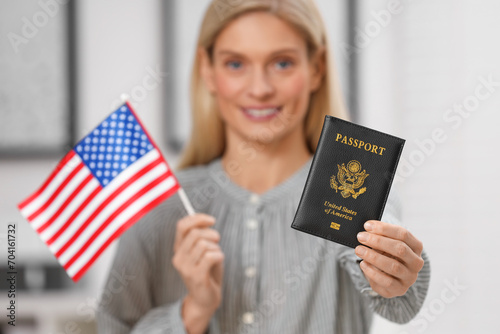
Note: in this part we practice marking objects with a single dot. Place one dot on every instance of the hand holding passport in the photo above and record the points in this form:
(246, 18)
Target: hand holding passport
(349, 181)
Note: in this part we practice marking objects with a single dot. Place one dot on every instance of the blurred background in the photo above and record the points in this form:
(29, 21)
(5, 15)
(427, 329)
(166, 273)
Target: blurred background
(427, 71)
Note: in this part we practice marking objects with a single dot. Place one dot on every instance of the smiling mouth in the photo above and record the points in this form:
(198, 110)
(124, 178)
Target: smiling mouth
(261, 114)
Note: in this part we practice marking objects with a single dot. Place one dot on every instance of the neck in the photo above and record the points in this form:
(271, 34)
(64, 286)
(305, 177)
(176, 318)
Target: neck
(259, 167)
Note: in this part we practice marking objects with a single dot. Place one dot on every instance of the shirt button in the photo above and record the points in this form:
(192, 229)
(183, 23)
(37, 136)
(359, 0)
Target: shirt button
(252, 224)
(248, 318)
(254, 199)
(250, 271)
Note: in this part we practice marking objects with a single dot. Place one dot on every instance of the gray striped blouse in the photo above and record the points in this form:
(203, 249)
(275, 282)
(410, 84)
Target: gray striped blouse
(276, 279)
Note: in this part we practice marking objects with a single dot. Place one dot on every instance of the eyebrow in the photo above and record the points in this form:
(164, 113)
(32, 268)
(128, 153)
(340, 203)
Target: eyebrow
(294, 50)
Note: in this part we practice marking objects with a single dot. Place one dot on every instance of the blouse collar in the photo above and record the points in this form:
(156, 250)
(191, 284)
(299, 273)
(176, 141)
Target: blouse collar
(294, 184)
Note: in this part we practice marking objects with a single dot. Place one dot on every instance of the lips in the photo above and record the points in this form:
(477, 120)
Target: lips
(261, 113)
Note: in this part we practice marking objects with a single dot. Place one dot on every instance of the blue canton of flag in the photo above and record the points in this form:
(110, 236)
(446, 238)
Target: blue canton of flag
(116, 143)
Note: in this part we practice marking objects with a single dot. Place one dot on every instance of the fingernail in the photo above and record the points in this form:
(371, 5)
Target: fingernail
(368, 226)
(361, 251)
(362, 236)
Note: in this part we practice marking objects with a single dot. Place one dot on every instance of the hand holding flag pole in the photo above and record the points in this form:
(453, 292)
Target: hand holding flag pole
(105, 184)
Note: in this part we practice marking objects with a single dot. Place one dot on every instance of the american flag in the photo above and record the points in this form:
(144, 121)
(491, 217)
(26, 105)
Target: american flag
(108, 181)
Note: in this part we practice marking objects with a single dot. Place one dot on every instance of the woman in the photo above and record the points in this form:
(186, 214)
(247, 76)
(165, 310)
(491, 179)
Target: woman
(262, 83)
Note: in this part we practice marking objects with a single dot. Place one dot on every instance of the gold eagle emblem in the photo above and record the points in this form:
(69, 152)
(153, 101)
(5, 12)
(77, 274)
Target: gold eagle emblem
(350, 179)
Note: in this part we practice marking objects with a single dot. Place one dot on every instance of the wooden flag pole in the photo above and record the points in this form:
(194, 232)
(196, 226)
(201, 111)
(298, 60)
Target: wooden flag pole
(186, 202)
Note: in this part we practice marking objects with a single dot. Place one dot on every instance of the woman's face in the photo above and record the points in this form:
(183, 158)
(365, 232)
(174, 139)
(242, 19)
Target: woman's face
(262, 78)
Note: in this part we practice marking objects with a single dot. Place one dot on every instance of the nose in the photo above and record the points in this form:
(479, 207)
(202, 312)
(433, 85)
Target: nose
(260, 85)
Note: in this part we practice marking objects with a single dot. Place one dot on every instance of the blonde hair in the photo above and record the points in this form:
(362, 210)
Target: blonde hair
(207, 140)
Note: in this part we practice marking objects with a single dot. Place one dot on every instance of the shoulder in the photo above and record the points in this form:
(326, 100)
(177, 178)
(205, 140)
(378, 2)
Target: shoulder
(193, 176)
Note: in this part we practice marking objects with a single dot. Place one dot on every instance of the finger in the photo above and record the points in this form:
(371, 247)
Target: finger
(200, 248)
(209, 259)
(187, 223)
(397, 248)
(395, 232)
(386, 264)
(381, 282)
(194, 235)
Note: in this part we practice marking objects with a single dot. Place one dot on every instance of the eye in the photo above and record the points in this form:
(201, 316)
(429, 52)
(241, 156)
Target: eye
(234, 64)
(283, 64)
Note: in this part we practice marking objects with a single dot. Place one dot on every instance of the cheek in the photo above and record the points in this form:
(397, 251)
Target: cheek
(296, 89)
(227, 87)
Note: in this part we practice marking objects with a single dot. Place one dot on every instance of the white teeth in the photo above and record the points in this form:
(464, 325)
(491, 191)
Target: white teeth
(261, 112)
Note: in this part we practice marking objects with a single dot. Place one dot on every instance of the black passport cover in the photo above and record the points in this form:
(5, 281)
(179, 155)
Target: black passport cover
(349, 181)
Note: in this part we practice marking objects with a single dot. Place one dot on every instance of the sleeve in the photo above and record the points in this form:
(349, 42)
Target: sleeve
(398, 309)
(126, 304)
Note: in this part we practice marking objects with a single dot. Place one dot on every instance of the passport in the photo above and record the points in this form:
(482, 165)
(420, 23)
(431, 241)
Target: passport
(348, 182)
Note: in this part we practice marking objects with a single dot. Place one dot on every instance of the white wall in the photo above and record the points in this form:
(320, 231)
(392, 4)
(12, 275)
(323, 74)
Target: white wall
(429, 58)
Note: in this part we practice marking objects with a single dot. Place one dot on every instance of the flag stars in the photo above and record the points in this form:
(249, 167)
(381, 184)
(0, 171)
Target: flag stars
(116, 143)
